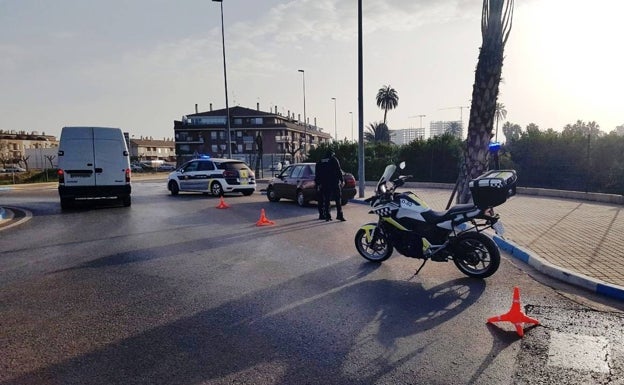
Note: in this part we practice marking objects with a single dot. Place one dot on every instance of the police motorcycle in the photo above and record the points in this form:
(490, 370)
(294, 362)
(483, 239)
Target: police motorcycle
(408, 225)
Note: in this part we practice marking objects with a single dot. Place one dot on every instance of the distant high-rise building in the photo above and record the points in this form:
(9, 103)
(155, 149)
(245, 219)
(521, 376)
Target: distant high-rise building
(406, 135)
(440, 127)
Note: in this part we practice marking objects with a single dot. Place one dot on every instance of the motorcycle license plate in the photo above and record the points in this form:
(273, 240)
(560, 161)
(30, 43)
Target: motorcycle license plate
(499, 228)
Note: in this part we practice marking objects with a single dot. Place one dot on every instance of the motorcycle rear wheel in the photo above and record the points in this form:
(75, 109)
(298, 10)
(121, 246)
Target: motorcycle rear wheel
(476, 255)
(377, 252)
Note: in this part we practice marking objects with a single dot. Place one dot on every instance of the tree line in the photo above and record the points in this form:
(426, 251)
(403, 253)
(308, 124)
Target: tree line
(581, 157)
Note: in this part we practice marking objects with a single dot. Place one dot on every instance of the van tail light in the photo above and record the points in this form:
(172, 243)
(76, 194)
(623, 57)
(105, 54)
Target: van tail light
(127, 175)
(61, 176)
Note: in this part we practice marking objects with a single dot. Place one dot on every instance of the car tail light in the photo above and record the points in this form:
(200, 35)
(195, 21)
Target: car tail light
(127, 175)
(349, 181)
(230, 174)
(61, 176)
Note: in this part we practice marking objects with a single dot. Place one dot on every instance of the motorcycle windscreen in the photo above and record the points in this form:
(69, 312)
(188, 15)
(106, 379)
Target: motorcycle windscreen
(390, 169)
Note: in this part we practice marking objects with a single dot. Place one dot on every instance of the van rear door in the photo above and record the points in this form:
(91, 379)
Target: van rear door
(110, 158)
(77, 152)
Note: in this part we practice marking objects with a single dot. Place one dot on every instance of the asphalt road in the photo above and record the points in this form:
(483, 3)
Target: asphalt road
(174, 291)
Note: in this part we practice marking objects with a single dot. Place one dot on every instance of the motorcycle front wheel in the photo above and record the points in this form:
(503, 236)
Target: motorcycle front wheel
(378, 251)
(476, 255)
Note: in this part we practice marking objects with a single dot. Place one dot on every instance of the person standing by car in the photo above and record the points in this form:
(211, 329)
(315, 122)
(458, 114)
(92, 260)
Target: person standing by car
(330, 176)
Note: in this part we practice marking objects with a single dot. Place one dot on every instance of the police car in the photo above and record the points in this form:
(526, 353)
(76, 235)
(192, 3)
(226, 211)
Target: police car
(216, 176)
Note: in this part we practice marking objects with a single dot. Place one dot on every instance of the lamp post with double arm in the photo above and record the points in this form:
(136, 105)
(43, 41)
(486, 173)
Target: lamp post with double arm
(227, 107)
(305, 122)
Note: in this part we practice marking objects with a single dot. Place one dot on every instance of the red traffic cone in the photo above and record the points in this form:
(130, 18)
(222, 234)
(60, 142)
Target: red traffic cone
(222, 204)
(515, 315)
(264, 221)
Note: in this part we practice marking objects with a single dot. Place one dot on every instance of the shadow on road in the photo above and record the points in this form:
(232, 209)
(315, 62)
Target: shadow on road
(335, 325)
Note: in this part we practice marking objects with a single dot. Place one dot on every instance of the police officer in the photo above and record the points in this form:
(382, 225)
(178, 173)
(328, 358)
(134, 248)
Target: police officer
(320, 203)
(329, 175)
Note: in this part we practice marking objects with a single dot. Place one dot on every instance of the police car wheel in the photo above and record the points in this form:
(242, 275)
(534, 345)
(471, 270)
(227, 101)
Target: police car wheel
(216, 189)
(173, 187)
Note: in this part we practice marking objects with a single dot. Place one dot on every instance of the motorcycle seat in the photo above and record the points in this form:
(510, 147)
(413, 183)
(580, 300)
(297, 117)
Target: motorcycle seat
(435, 217)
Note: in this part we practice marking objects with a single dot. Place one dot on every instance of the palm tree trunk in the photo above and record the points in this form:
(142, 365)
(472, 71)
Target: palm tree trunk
(495, 27)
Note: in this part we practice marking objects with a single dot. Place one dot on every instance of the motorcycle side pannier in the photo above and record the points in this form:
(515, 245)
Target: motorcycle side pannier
(493, 188)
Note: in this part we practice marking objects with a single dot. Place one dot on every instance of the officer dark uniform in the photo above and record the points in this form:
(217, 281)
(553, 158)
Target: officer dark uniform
(319, 193)
(329, 174)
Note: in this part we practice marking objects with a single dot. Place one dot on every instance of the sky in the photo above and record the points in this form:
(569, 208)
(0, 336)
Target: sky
(141, 64)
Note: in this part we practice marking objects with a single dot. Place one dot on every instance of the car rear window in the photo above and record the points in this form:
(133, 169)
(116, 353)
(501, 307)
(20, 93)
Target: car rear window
(232, 166)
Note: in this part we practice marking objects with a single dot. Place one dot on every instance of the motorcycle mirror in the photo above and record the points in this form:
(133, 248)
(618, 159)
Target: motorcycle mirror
(402, 165)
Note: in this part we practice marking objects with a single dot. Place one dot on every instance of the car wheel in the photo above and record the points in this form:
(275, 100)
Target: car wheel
(126, 200)
(173, 187)
(271, 195)
(216, 189)
(301, 199)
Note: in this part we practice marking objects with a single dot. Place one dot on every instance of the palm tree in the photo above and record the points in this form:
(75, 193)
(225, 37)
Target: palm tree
(499, 114)
(496, 21)
(377, 133)
(387, 99)
(455, 129)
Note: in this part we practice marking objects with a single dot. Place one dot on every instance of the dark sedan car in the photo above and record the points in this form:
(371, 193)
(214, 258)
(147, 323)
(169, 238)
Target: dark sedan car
(296, 182)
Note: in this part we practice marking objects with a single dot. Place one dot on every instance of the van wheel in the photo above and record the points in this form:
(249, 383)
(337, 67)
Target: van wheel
(216, 189)
(173, 187)
(67, 203)
(126, 200)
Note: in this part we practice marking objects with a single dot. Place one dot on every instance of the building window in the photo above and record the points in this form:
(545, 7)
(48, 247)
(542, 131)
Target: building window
(209, 120)
(214, 148)
(238, 121)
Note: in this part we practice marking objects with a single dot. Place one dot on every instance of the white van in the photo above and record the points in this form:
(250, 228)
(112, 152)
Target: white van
(93, 163)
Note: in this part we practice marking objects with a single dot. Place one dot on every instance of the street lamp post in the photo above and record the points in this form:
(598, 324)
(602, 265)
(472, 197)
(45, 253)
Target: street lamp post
(335, 122)
(352, 138)
(305, 122)
(227, 107)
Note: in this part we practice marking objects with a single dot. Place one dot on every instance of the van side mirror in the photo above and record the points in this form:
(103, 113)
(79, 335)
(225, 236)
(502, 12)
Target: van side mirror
(125, 153)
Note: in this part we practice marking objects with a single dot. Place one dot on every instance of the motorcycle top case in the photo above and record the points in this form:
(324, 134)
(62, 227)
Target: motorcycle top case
(493, 188)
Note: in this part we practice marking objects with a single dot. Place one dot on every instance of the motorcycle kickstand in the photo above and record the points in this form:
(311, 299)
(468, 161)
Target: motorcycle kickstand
(418, 271)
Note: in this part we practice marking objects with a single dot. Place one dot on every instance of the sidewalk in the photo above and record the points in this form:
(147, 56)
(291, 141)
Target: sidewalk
(577, 241)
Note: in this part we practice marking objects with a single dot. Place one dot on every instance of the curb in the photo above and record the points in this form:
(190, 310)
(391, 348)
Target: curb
(8, 218)
(594, 285)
